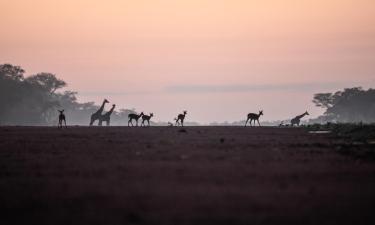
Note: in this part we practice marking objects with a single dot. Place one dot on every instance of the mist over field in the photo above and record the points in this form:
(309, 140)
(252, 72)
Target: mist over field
(36, 99)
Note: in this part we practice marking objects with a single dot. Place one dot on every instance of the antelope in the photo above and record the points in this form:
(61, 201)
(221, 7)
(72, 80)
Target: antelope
(133, 116)
(181, 118)
(146, 118)
(176, 121)
(296, 120)
(254, 116)
(61, 119)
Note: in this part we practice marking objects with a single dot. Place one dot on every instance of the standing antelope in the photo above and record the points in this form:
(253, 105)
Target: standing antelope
(133, 116)
(181, 118)
(254, 116)
(296, 120)
(61, 119)
(146, 118)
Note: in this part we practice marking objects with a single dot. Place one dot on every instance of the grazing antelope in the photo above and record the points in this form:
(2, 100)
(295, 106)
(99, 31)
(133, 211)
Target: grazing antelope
(254, 116)
(146, 118)
(133, 116)
(98, 114)
(107, 116)
(296, 120)
(181, 118)
(61, 119)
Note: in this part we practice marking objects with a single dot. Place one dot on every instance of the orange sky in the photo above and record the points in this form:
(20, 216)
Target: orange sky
(217, 59)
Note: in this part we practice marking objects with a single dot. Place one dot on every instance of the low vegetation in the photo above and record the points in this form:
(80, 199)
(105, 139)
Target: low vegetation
(356, 140)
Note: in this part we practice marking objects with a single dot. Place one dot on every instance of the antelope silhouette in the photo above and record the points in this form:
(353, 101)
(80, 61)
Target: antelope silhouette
(181, 118)
(296, 120)
(176, 121)
(98, 114)
(254, 116)
(61, 119)
(133, 116)
(146, 118)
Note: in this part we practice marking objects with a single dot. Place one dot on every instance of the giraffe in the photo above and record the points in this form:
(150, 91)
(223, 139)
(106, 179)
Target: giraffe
(133, 116)
(97, 115)
(181, 118)
(146, 118)
(254, 116)
(61, 119)
(296, 120)
(107, 116)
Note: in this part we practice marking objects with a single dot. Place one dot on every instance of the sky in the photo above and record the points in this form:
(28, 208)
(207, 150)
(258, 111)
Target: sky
(217, 59)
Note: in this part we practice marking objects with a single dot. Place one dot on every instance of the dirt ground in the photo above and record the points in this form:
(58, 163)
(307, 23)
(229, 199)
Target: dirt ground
(165, 175)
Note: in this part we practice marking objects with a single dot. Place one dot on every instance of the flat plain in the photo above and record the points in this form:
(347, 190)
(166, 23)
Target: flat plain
(191, 175)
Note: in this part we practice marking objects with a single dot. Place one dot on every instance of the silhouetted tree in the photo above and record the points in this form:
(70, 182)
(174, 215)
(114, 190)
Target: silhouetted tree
(34, 100)
(46, 81)
(350, 105)
(8, 71)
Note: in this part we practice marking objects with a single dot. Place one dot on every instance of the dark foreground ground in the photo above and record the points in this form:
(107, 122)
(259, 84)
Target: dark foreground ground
(160, 175)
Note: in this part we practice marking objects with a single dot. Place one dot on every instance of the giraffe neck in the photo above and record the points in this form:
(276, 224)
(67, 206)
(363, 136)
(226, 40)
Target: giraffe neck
(300, 116)
(110, 111)
(100, 110)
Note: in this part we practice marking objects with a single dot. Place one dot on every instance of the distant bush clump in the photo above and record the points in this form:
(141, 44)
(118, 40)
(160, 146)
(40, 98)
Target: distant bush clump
(353, 105)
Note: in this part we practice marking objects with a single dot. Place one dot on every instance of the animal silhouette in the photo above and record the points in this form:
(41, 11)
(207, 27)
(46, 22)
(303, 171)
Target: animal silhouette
(181, 118)
(146, 118)
(254, 116)
(133, 116)
(98, 114)
(106, 117)
(176, 121)
(296, 120)
(61, 119)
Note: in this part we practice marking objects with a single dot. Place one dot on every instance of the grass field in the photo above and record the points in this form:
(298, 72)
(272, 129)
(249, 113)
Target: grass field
(195, 175)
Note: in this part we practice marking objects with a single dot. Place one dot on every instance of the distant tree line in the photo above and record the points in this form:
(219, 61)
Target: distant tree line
(352, 105)
(34, 100)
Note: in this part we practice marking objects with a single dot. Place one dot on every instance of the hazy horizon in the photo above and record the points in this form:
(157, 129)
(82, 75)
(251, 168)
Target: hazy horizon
(218, 60)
